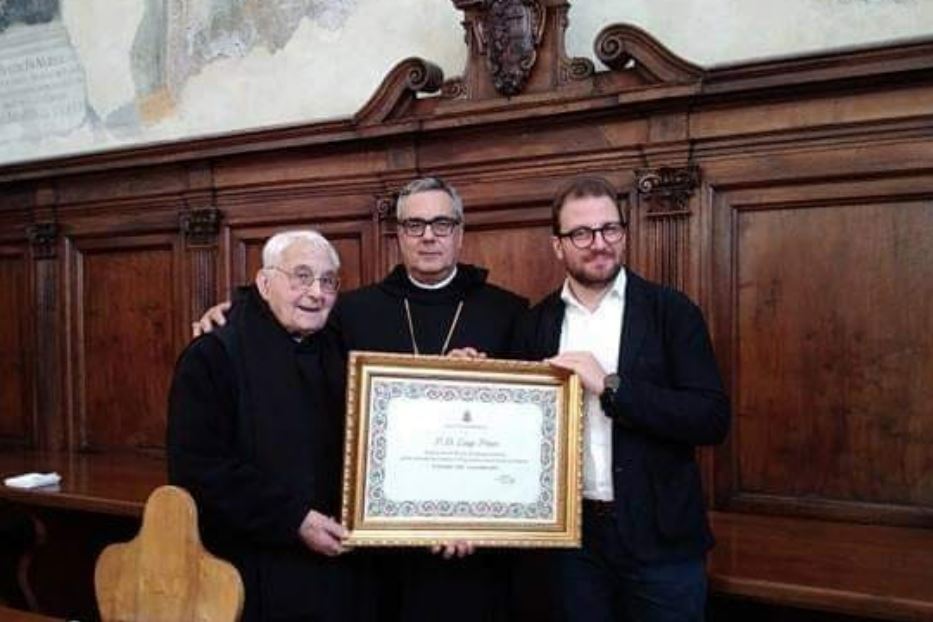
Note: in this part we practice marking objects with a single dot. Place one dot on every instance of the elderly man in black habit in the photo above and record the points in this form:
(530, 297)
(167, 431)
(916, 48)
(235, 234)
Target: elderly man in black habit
(255, 434)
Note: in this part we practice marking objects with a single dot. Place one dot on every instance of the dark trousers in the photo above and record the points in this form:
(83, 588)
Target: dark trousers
(415, 585)
(602, 582)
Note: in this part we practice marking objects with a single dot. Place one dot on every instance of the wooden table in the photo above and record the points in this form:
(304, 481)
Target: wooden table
(100, 501)
(105, 483)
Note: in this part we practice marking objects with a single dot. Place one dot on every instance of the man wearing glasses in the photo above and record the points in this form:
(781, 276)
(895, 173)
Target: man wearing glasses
(653, 393)
(430, 304)
(254, 433)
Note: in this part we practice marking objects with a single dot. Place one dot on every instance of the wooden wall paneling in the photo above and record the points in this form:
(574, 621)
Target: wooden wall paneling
(333, 165)
(549, 148)
(109, 189)
(200, 230)
(49, 362)
(855, 111)
(385, 246)
(128, 323)
(47, 330)
(199, 223)
(345, 212)
(354, 241)
(515, 246)
(17, 357)
(663, 225)
(668, 240)
(874, 571)
(823, 300)
(813, 187)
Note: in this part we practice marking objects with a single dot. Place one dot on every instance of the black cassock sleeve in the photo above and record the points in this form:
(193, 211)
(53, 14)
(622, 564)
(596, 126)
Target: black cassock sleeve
(205, 457)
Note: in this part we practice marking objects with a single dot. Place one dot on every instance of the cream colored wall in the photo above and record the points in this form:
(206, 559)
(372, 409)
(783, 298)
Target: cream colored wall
(715, 32)
(333, 61)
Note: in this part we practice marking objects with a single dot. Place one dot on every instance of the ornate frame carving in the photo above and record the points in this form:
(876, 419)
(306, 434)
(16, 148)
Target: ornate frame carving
(667, 190)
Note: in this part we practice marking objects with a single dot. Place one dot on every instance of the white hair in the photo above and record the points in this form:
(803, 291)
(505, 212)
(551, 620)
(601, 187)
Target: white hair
(276, 245)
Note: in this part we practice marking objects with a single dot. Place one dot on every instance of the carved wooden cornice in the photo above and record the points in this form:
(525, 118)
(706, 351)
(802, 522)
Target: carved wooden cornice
(200, 226)
(567, 87)
(629, 48)
(43, 236)
(399, 90)
(667, 190)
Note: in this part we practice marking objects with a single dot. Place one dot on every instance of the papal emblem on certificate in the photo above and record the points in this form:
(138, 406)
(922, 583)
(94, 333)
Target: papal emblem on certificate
(440, 449)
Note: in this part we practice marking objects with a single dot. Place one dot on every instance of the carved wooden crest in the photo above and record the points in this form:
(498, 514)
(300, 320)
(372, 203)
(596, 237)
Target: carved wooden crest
(512, 31)
(517, 47)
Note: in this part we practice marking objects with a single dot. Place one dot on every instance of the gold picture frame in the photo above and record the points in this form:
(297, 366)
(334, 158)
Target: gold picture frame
(440, 449)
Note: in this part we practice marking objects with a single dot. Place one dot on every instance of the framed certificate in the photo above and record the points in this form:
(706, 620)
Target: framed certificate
(441, 449)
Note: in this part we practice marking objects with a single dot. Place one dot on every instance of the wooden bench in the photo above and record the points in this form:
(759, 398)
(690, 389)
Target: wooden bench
(865, 570)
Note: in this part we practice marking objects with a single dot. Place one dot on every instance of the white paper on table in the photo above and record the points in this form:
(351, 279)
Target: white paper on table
(33, 480)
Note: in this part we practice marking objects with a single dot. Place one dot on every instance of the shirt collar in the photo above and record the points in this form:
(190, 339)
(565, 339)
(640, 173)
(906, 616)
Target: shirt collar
(616, 290)
(438, 285)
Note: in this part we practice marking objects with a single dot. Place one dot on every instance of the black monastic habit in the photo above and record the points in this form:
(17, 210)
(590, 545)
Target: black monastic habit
(415, 585)
(255, 433)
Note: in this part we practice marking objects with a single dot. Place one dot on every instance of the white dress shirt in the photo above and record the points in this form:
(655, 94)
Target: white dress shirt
(598, 332)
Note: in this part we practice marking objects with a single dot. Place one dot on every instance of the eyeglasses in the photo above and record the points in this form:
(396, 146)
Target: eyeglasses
(441, 226)
(583, 237)
(302, 277)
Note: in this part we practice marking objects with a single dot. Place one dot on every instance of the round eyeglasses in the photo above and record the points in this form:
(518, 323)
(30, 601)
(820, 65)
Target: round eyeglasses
(303, 278)
(583, 237)
(440, 226)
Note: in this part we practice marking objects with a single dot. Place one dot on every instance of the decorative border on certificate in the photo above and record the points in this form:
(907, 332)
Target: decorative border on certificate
(441, 449)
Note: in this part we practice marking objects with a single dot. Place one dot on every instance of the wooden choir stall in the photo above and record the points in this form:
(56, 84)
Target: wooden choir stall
(792, 199)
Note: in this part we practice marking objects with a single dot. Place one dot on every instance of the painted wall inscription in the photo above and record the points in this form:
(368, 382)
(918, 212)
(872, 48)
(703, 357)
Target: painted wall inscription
(42, 88)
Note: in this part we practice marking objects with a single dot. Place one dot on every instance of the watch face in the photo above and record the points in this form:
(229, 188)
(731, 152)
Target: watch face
(612, 381)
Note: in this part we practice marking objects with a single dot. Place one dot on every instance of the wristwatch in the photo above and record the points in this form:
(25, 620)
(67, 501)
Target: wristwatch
(611, 383)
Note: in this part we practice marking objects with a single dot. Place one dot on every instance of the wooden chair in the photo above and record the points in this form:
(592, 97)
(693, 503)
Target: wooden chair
(164, 574)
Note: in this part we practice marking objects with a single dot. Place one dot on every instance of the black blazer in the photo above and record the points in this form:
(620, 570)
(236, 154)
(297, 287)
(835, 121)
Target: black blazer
(671, 399)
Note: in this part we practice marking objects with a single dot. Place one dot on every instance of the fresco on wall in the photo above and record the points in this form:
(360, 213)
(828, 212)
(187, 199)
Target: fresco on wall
(178, 37)
(42, 84)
